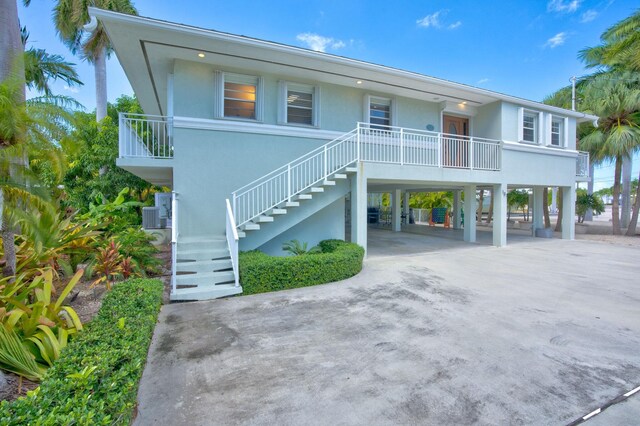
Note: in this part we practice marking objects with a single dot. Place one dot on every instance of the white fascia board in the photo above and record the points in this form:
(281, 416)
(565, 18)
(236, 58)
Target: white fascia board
(302, 53)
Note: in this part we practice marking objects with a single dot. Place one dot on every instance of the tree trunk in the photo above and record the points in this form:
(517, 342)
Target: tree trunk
(480, 202)
(631, 230)
(490, 214)
(559, 208)
(589, 215)
(615, 205)
(545, 207)
(11, 65)
(625, 213)
(100, 67)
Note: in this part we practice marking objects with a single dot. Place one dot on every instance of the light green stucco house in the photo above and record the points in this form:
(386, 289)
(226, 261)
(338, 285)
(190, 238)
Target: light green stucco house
(262, 143)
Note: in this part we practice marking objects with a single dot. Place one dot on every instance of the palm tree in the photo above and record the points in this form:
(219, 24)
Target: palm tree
(615, 98)
(70, 18)
(620, 46)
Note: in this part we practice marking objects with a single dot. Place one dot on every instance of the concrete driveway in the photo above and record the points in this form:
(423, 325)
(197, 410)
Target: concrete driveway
(539, 332)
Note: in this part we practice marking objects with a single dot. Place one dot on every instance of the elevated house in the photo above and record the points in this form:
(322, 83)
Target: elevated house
(262, 143)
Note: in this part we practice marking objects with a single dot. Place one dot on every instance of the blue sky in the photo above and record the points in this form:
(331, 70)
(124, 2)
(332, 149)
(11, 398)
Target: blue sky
(523, 48)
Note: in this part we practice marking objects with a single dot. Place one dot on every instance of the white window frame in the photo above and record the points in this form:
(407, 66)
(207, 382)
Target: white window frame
(368, 99)
(219, 79)
(283, 107)
(538, 126)
(563, 134)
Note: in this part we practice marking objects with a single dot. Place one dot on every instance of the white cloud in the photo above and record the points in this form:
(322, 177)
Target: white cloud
(588, 16)
(483, 80)
(434, 21)
(556, 40)
(71, 89)
(562, 6)
(319, 43)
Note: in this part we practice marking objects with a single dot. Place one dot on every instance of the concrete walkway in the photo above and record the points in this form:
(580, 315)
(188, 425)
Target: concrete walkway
(538, 332)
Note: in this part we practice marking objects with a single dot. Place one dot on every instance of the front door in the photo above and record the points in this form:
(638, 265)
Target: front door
(455, 149)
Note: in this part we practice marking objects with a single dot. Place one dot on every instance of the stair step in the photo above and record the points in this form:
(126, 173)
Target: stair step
(328, 183)
(278, 211)
(292, 204)
(305, 196)
(204, 265)
(196, 255)
(241, 234)
(351, 170)
(205, 278)
(201, 244)
(205, 293)
(317, 189)
(340, 176)
(251, 227)
(264, 219)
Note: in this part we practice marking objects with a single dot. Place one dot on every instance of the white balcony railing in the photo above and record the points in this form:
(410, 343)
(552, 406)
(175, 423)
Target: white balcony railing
(145, 136)
(232, 243)
(582, 164)
(368, 143)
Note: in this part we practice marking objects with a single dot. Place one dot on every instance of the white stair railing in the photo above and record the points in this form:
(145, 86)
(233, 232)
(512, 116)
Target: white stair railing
(232, 243)
(368, 143)
(146, 136)
(174, 239)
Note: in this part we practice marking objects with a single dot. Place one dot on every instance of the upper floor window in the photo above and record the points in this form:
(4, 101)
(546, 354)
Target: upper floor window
(380, 113)
(299, 105)
(557, 131)
(239, 96)
(530, 127)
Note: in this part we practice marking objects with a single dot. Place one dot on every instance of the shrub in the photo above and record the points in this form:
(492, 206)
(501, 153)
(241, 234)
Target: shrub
(95, 381)
(338, 260)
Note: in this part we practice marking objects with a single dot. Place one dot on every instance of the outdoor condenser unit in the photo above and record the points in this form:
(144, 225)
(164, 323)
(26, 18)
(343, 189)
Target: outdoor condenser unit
(151, 217)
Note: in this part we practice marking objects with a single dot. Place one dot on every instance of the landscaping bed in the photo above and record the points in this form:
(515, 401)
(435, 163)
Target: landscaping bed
(95, 380)
(337, 260)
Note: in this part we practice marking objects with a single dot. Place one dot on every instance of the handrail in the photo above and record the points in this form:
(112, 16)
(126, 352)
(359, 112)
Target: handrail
(367, 143)
(174, 239)
(145, 136)
(232, 242)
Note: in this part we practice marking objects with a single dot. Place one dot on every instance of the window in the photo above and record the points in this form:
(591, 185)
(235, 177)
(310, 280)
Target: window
(530, 127)
(238, 96)
(299, 104)
(557, 131)
(380, 113)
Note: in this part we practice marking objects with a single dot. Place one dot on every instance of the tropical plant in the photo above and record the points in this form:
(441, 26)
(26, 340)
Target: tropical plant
(518, 198)
(296, 248)
(585, 201)
(112, 217)
(430, 200)
(135, 244)
(42, 322)
(70, 18)
(16, 358)
(108, 265)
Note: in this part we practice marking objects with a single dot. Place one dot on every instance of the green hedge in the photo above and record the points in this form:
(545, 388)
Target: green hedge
(260, 273)
(95, 380)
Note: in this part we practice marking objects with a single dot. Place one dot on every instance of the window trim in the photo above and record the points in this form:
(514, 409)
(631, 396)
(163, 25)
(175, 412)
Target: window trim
(366, 113)
(219, 79)
(539, 134)
(563, 133)
(283, 107)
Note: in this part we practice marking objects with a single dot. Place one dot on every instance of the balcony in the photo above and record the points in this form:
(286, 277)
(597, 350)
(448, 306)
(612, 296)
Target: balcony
(145, 136)
(582, 165)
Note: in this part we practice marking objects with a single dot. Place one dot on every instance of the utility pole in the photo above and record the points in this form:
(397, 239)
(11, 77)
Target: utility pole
(573, 92)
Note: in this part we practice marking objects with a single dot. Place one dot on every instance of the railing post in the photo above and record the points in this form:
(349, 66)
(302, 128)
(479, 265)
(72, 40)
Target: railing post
(325, 162)
(471, 153)
(289, 182)
(402, 147)
(440, 142)
(121, 134)
(358, 143)
(174, 239)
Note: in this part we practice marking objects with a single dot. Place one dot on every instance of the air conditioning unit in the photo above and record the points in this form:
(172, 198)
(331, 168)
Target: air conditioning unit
(151, 217)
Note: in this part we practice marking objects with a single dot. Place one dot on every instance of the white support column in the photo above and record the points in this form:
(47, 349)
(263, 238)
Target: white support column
(396, 210)
(457, 200)
(359, 210)
(538, 212)
(470, 213)
(499, 215)
(568, 212)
